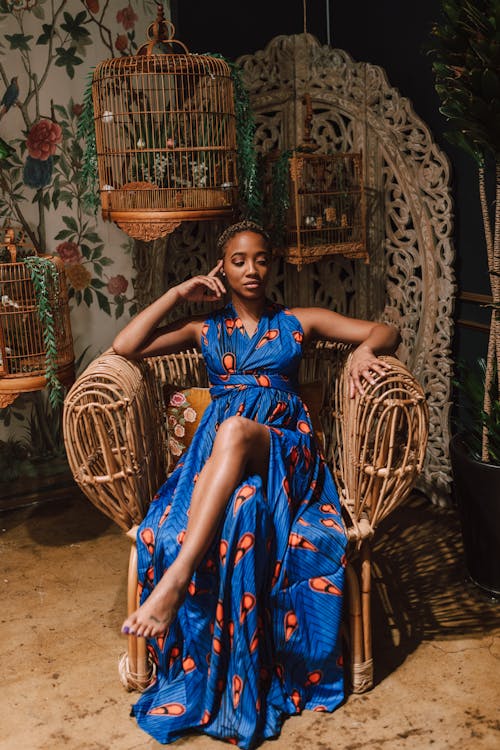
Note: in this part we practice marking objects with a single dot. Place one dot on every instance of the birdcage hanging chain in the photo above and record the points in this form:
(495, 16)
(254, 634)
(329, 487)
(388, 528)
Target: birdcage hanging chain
(161, 31)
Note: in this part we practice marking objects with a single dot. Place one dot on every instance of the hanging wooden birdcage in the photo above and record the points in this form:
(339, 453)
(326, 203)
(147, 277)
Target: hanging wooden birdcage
(326, 207)
(24, 364)
(165, 136)
(323, 210)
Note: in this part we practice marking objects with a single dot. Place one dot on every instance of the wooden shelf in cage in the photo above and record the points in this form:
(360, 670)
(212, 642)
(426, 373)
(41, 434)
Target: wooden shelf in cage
(22, 346)
(165, 136)
(327, 212)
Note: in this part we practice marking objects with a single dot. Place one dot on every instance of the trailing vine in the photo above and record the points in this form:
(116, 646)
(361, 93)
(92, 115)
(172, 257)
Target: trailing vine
(86, 132)
(280, 197)
(248, 170)
(45, 278)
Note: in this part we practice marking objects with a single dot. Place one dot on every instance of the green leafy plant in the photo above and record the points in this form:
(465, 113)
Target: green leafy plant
(44, 276)
(248, 170)
(470, 383)
(465, 48)
(280, 197)
(86, 134)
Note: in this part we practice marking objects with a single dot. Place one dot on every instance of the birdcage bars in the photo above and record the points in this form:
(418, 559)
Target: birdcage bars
(165, 137)
(23, 364)
(326, 215)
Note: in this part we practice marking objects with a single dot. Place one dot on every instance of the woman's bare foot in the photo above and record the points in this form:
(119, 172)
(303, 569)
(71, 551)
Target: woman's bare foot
(153, 618)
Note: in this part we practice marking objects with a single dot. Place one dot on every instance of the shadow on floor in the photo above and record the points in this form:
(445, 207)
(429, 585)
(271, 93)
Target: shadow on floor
(66, 520)
(420, 588)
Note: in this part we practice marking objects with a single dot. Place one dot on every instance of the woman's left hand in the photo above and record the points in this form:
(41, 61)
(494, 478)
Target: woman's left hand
(366, 364)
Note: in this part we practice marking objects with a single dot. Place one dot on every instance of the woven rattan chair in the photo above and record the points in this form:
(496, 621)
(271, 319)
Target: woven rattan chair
(116, 441)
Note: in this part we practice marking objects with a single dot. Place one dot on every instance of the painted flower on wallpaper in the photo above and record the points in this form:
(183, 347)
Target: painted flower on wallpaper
(78, 276)
(37, 173)
(43, 138)
(92, 5)
(117, 285)
(127, 17)
(69, 252)
(121, 42)
(77, 109)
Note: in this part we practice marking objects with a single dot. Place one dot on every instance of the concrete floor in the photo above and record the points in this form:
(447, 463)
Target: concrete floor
(436, 641)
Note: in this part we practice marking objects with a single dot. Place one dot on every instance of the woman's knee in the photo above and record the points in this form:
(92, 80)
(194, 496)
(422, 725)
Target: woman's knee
(235, 433)
(243, 439)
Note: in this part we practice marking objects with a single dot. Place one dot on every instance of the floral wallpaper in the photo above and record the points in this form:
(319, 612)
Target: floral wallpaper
(48, 49)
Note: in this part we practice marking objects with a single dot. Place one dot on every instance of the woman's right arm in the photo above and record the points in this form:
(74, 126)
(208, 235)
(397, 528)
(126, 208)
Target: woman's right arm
(143, 337)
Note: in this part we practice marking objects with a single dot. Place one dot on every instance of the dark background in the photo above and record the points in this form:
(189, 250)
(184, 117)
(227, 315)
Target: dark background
(388, 33)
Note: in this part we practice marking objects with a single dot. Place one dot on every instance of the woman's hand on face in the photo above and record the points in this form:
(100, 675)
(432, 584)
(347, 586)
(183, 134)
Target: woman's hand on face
(207, 288)
(365, 364)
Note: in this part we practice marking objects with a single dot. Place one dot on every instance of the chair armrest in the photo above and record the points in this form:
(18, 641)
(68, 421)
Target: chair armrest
(377, 440)
(113, 435)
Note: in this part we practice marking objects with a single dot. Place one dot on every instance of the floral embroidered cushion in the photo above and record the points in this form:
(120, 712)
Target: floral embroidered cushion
(184, 410)
(185, 407)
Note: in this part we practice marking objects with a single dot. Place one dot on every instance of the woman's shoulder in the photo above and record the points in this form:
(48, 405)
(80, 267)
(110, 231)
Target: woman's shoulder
(301, 313)
(308, 317)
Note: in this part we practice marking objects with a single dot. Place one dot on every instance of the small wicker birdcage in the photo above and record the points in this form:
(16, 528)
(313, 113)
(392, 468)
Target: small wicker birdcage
(325, 198)
(165, 135)
(23, 340)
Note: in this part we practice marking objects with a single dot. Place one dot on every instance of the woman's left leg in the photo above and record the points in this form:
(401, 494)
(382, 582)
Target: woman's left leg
(241, 447)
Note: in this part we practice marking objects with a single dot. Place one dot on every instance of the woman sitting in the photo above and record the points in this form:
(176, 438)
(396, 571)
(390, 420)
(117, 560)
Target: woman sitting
(241, 554)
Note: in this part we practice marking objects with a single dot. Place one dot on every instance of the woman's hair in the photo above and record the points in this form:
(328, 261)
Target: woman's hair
(242, 226)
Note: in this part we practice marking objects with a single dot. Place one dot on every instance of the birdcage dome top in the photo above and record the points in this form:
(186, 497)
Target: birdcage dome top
(187, 63)
(149, 59)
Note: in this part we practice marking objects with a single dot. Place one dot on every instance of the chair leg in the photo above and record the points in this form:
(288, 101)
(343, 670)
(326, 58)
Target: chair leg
(135, 667)
(366, 615)
(131, 607)
(360, 626)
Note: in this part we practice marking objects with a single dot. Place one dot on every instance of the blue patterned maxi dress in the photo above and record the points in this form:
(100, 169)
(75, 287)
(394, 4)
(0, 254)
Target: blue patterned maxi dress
(257, 636)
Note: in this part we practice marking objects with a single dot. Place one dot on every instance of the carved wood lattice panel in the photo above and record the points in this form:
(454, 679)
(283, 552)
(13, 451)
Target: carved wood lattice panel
(409, 280)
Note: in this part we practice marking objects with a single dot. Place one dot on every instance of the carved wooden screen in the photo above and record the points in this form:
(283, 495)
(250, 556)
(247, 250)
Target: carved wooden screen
(409, 280)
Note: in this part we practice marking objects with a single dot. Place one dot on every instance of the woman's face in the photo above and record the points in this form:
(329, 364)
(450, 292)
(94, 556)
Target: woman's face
(247, 264)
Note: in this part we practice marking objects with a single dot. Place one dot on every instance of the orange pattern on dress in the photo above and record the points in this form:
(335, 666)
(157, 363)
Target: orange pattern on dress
(324, 586)
(247, 603)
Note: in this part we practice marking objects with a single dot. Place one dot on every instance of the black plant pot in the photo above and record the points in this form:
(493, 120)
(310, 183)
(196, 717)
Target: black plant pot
(477, 491)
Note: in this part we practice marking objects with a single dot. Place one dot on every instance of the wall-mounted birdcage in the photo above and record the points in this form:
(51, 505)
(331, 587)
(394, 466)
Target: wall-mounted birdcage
(29, 326)
(316, 201)
(165, 136)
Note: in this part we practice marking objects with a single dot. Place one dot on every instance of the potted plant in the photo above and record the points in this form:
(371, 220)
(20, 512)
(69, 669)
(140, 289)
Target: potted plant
(466, 60)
